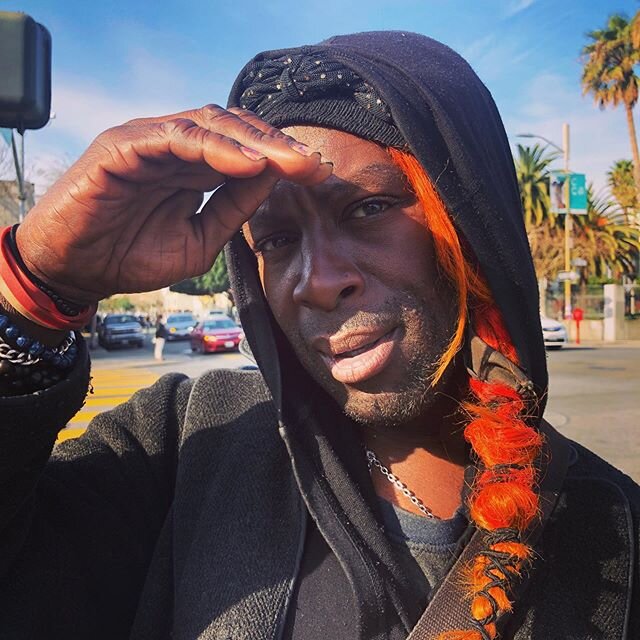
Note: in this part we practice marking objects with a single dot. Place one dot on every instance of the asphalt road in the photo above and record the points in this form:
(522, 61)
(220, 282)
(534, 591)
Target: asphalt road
(593, 397)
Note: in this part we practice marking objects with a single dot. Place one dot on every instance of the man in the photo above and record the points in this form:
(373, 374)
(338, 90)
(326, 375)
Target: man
(391, 454)
(160, 338)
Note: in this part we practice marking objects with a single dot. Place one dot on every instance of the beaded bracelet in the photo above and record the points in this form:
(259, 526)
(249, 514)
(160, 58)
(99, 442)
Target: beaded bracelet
(18, 348)
(18, 380)
(27, 365)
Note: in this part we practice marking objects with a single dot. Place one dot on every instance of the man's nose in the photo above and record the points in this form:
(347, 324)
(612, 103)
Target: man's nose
(328, 275)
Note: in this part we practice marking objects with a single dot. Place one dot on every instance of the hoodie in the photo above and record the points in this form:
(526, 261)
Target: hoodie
(451, 125)
(191, 510)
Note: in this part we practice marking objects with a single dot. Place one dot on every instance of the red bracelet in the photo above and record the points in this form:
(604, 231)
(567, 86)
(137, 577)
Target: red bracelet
(28, 299)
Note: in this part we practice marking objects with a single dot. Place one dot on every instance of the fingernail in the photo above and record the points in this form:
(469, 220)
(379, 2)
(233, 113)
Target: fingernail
(328, 163)
(302, 148)
(252, 154)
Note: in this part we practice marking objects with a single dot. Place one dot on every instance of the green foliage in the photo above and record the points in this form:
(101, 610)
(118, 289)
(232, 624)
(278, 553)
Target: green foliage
(622, 185)
(604, 238)
(598, 281)
(532, 170)
(116, 304)
(609, 72)
(609, 61)
(216, 280)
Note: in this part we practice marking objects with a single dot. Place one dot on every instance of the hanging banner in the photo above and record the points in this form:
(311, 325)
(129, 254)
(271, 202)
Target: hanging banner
(577, 192)
(5, 134)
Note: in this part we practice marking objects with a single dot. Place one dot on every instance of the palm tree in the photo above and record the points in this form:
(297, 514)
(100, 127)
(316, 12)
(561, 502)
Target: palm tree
(604, 239)
(609, 72)
(622, 186)
(532, 171)
(546, 242)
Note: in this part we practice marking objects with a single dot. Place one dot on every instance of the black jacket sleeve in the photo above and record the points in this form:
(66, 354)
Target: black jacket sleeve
(78, 526)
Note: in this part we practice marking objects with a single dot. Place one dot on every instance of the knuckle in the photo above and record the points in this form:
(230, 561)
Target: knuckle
(212, 112)
(109, 135)
(135, 122)
(255, 135)
(240, 111)
(175, 127)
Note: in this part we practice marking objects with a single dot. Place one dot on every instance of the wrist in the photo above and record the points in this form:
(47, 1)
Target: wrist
(48, 337)
(31, 297)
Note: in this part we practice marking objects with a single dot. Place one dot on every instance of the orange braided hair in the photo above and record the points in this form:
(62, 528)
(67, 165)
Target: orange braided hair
(503, 500)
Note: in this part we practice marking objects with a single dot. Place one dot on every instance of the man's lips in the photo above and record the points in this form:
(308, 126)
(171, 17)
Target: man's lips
(356, 357)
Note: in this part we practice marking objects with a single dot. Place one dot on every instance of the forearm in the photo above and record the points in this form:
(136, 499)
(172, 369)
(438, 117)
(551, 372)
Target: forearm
(86, 530)
(29, 425)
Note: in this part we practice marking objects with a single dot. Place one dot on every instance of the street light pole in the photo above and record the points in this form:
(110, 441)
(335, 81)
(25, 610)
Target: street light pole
(18, 160)
(567, 222)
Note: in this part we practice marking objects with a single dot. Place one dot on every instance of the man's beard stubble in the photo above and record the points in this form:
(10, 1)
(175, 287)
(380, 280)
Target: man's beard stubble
(425, 333)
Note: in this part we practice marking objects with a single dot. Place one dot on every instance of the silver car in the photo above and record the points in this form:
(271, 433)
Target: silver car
(120, 329)
(180, 325)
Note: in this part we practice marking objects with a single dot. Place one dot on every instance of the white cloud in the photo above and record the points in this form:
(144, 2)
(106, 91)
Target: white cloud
(597, 138)
(83, 108)
(490, 54)
(516, 6)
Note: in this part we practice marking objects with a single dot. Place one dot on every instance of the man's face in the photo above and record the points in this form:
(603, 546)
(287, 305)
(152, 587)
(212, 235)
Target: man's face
(349, 272)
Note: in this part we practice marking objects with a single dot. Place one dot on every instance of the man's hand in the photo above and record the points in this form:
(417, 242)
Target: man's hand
(123, 217)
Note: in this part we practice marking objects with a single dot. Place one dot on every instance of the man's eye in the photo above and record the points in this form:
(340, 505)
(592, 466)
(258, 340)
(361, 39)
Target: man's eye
(273, 242)
(367, 209)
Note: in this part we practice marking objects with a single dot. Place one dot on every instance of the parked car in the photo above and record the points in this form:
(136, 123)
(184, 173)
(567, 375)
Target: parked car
(120, 329)
(217, 334)
(553, 332)
(179, 326)
(212, 314)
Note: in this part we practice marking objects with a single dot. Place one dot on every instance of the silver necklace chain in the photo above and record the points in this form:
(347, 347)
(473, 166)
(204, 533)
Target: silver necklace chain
(372, 461)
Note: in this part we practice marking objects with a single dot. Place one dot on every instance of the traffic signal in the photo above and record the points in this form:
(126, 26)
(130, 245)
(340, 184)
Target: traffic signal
(25, 72)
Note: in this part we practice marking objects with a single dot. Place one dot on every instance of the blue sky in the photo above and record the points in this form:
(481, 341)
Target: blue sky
(113, 61)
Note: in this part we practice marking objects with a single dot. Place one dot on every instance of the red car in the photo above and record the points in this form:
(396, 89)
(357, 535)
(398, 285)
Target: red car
(219, 334)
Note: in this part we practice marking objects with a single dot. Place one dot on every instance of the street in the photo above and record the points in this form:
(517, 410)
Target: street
(594, 392)
(118, 374)
(593, 396)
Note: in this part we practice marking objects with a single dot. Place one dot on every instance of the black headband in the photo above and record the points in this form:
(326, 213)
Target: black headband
(315, 89)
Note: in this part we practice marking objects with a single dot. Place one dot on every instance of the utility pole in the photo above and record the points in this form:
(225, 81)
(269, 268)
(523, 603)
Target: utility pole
(567, 222)
(18, 159)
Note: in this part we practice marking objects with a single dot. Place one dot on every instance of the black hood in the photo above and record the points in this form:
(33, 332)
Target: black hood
(452, 126)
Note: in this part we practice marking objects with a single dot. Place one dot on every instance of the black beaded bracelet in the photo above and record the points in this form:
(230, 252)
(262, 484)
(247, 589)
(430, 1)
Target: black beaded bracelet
(65, 307)
(27, 365)
(18, 380)
(19, 349)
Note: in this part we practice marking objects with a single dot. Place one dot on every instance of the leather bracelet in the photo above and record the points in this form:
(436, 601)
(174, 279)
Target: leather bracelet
(65, 307)
(28, 299)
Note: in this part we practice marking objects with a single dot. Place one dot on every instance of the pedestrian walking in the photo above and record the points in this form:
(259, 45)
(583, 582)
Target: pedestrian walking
(160, 339)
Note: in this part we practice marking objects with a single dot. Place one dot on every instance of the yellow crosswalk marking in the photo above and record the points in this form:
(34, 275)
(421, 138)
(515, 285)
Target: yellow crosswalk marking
(111, 386)
(69, 433)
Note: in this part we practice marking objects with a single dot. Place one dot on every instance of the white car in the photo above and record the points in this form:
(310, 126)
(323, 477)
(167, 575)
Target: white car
(553, 332)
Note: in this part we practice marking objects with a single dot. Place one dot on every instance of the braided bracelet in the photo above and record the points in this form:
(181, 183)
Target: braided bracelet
(65, 307)
(36, 301)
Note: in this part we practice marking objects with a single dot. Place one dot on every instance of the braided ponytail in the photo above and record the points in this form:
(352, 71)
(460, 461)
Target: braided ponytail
(503, 499)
